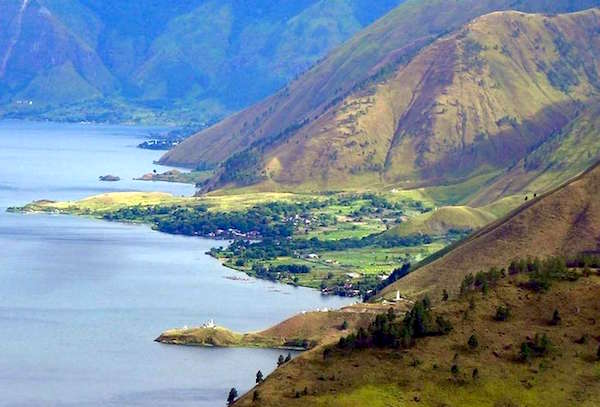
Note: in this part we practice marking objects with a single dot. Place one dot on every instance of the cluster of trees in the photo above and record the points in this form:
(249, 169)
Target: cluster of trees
(540, 346)
(387, 331)
(270, 247)
(482, 280)
(541, 272)
(280, 271)
(584, 260)
(269, 220)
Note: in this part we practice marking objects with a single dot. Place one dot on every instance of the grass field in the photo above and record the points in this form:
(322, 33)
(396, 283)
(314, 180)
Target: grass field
(569, 374)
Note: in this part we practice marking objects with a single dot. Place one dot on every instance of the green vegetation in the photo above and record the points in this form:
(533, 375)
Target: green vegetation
(333, 242)
(386, 331)
(538, 347)
(502, 313)
(196, 177)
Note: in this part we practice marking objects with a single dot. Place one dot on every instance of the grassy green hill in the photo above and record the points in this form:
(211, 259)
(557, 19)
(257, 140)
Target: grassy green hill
(524, 333)
(155, 61)
(442, 220)
(562, 222)
(559, 366)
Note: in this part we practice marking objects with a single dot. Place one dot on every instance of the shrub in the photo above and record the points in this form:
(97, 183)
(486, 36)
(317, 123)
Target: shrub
(555, 318)
(473, 342)
(502, 313)
(454, 369)
(540, 346)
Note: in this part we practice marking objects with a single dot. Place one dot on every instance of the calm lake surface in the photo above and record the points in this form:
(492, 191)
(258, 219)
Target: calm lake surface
(81, 300)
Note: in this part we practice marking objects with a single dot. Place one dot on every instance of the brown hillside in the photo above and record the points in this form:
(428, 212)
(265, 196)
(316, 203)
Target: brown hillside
(562, 157)
(368, 57)
(303, 330)
(469, 103)
(563, 222)
(421, 375)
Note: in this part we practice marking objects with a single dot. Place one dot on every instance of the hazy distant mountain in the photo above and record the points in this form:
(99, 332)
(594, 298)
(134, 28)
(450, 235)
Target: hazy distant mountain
(176, 60)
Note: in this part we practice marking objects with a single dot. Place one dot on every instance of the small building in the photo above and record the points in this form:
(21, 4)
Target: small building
(210, 324)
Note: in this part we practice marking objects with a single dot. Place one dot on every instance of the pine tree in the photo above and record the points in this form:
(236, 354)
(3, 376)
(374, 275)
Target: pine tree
(473, 342)
(454, 370)
(259, 377)
(502, 313)
(555, 318)
(280, 360)
(232, 396)
(288, 358)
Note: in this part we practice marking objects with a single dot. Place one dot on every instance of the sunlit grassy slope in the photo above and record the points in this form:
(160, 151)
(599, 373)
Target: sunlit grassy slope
(371, 54)
(440, 370)
(421, 375)
(442, 220)
(561, 222)
(109, 202)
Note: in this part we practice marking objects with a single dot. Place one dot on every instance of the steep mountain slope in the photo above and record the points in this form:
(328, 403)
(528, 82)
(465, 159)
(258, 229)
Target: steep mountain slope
(194, 59)
(508, 343)
(473, 102)
(496, 368)
(564, 155)
(307, 125)
(42, 57)
(565, 221)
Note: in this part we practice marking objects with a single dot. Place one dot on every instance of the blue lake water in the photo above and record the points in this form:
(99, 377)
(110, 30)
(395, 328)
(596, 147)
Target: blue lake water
(81, 300)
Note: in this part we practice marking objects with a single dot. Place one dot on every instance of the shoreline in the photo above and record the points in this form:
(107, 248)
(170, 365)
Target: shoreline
(31, 209)
(301, 332)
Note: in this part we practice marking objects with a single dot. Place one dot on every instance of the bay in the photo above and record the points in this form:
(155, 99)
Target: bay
(81, 300)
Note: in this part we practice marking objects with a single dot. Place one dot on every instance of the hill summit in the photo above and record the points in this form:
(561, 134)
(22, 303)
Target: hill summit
(472, 102)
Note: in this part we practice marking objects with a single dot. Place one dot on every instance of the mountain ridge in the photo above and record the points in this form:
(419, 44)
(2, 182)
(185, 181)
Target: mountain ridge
(181, 62)
(264, 123)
